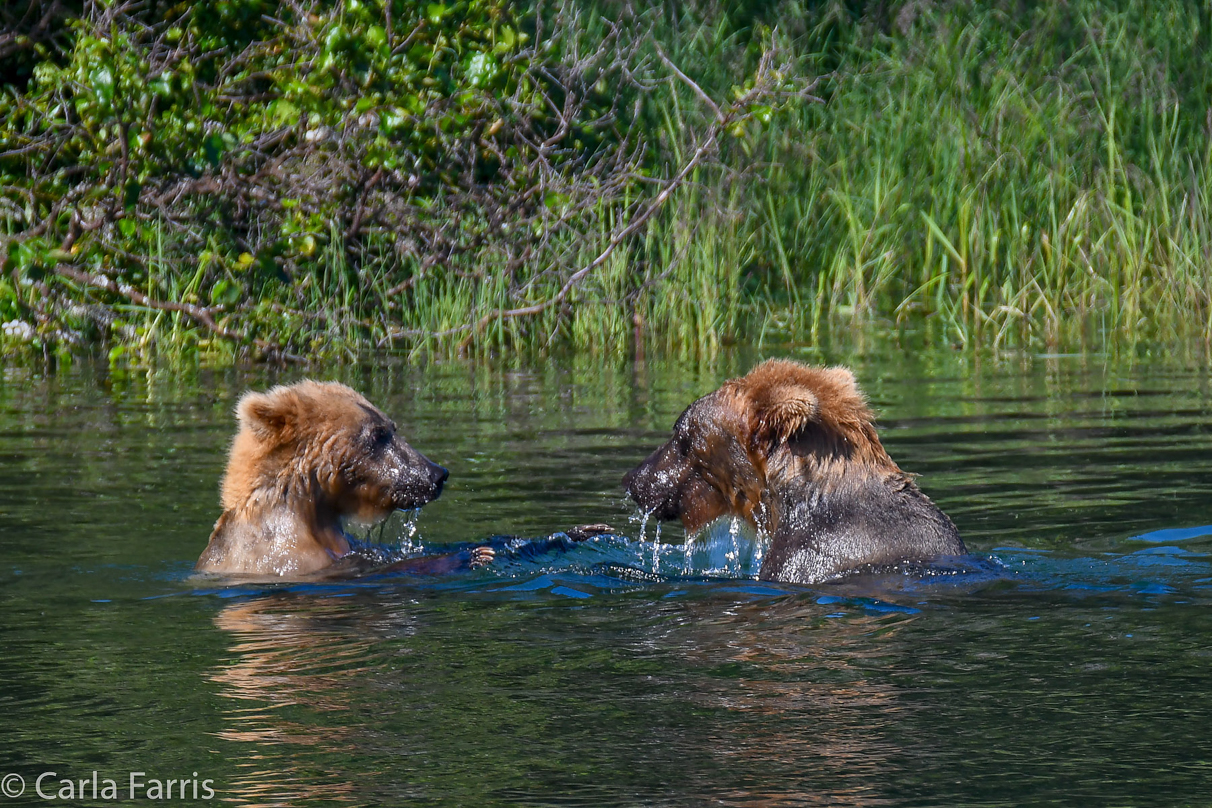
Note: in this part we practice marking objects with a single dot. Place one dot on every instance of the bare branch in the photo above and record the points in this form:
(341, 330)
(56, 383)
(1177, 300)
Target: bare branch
(706, 99)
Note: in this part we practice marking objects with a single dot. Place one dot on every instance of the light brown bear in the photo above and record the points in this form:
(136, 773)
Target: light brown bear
(792, 450)
(307, 456)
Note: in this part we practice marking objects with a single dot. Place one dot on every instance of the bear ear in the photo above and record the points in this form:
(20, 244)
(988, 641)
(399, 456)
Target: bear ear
(784, 410)
(272, 417)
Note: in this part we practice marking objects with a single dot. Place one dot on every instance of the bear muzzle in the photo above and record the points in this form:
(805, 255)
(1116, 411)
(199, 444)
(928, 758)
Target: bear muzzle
(655, 488)
(420, 484)
(405, 477)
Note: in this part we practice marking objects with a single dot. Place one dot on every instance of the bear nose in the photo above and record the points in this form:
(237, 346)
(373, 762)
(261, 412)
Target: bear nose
(639, 483)
(629, 480)
(439, 475)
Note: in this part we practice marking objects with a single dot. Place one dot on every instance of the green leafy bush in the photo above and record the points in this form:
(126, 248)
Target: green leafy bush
(212, 153)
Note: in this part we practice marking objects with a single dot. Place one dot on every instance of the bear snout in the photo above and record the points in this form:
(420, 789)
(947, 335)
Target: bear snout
(654, 489)
(438, 476)
(417, 479)
(632, 485)
(424, 483)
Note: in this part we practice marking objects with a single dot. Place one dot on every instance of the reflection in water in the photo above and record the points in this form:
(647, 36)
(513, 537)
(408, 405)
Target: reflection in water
(800, 702)
(793, 705)
(291, 658)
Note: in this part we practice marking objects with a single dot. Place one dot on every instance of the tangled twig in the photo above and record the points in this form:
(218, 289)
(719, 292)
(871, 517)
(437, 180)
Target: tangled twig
(203, 316)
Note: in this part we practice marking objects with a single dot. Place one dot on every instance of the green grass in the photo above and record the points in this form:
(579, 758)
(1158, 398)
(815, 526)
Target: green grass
(1039, 178)
(1001, 179)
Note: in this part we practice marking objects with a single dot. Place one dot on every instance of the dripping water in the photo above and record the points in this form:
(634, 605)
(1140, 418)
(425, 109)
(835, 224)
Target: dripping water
(643, 525)
(732, 563)
(410, 531)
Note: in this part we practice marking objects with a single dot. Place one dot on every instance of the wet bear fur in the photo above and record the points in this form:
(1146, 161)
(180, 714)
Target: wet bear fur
(793, 450)
(307, 456)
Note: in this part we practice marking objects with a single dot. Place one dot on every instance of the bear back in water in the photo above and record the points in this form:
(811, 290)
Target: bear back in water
(792, 450)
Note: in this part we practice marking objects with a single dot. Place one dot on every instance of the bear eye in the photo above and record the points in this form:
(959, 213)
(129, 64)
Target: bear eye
(380, 435)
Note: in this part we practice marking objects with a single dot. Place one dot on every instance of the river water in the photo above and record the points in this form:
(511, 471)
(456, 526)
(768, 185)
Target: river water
(1068, 663)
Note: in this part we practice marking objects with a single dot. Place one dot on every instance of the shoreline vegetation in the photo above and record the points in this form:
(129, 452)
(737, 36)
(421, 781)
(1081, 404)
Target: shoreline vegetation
(318, 179)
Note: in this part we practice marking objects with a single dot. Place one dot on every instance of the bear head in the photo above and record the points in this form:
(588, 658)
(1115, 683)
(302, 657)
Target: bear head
(322, 445)
(734, 450)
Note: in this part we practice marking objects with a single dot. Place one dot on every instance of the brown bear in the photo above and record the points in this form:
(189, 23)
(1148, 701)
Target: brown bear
(792, 450)
(307, 456)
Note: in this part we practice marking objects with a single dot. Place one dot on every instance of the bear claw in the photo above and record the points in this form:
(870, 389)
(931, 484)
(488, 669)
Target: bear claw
(583, 532)
(481, 557)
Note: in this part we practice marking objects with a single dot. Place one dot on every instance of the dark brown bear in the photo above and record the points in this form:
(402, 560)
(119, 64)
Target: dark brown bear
(306, 456)
(792, 450)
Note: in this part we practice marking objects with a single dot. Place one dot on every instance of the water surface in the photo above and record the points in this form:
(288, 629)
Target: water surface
(1068, 663)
